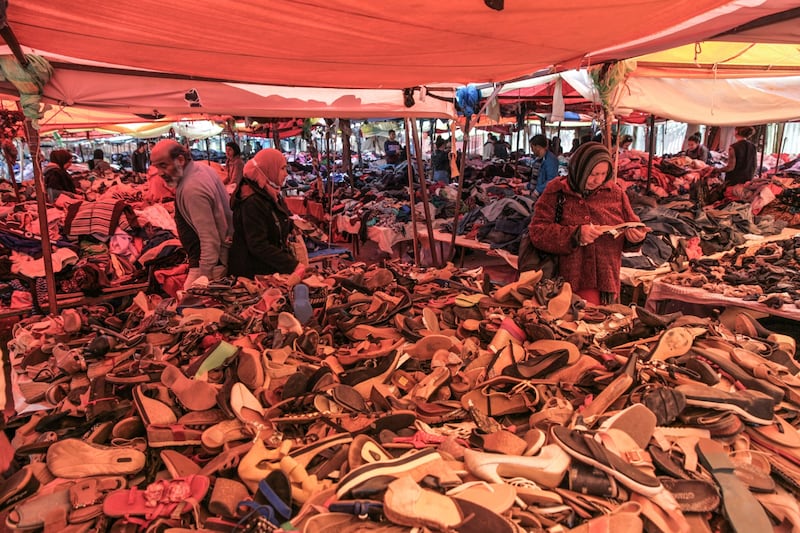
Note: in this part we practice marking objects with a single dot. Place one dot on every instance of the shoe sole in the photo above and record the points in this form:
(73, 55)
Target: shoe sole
(735, 409)
(395, 467)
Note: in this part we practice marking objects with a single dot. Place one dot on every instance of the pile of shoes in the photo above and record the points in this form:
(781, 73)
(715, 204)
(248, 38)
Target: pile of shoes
(768, 273)
(388, 398)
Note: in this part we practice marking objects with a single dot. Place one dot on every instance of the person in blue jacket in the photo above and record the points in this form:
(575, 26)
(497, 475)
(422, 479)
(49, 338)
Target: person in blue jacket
(548, 170)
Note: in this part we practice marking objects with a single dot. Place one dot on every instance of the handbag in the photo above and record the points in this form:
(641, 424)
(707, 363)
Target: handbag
(532, 258)
(297, 246)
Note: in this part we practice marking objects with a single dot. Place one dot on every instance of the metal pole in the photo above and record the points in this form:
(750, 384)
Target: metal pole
(412, 196)
(780, 153)
(38, 181)
(423, 187)
(651, 147)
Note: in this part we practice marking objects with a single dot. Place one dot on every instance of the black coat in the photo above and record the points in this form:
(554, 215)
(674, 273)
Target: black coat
(261, 227)
(59, 179)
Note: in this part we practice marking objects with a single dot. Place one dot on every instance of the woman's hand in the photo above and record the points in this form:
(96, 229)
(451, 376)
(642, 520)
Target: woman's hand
(635, 234)
(297, 275)
(589, 233)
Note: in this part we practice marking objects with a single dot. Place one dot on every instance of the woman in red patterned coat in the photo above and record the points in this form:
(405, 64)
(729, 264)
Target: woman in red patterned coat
(572, 220)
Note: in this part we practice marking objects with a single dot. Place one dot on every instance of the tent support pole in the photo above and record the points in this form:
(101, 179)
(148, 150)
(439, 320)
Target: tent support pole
(423, 188)
(762, 143)
(412, 194)
(11, 40)
(465, 139)
(651, 147)
(38, 180)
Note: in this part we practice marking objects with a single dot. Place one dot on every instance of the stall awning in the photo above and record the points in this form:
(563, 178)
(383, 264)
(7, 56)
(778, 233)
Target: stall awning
(347, 43)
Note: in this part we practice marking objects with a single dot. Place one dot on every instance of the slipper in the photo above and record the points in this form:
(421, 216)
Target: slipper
(194, 394)
(302, 306)
(215, 357)
(752, 406)
(548, 346)
(74, 458)
(585, 448)
(693, 495)
(739, 506)
(153, 411)
(163, 498)
(672, 343)
(636, 420)
(497, 497)
(780, 433)
(521, 397)
(48, 511)
(177, 464)
(226, 496)
(20, 485)
(408, 504)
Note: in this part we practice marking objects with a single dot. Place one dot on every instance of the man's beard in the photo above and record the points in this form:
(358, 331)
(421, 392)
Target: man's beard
(172, 180)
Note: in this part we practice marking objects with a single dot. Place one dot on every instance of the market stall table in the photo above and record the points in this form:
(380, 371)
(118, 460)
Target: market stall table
(662, 292)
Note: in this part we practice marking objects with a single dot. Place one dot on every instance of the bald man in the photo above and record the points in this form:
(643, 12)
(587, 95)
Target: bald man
(202, 210)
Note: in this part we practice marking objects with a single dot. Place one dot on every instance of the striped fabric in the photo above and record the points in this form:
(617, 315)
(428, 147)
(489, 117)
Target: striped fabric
(99, 219)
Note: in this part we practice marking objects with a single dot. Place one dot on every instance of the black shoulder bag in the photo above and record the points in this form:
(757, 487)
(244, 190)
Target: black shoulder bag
(532, 258)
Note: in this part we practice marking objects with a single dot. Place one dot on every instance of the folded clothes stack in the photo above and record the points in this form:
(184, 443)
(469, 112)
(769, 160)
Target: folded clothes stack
(394, 398)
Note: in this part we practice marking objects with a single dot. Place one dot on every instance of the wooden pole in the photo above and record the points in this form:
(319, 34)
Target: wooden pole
(38, 181)
(459, 190)
(651, 148)
(423, 188)
(762, 144)
(412, 196)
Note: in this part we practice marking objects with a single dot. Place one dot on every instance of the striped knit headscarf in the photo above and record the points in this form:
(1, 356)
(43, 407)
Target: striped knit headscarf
(583, 161)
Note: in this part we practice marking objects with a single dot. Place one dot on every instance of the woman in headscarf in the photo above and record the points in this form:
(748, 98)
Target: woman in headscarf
(573, 218)
(261, 220)
(56, 177)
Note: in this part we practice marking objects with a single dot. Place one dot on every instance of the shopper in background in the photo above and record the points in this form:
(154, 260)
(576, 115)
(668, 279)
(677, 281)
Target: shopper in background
(555, 146)
(575, 144)
(56, 178)
(695, 149)
(741, 165)
(625, 143)
(502, 150)
(234, 165)
(392, 149)
(202, 211)
(261, 221)
(488, 147)
(571, 219)
(548, 168)
(99, 165)
(139, 158)
(440, 161)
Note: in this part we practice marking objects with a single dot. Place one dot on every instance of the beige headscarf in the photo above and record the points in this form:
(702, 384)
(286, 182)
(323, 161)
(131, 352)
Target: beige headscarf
(266, 168)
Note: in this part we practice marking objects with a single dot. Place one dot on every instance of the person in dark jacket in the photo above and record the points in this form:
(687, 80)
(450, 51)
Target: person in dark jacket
(741, 165)
(139, 158)
(56, 178)
(440, 161)
(261, 223)
(572, 220)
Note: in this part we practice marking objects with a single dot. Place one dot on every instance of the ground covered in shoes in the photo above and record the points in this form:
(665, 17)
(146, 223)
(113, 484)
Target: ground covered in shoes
(399, 398)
